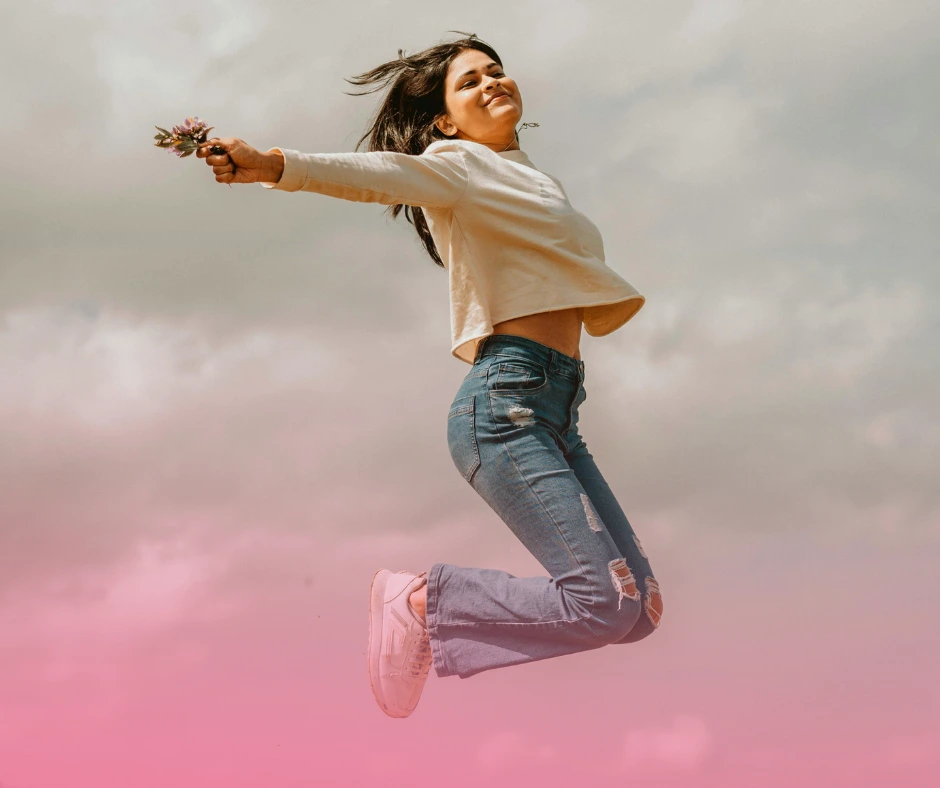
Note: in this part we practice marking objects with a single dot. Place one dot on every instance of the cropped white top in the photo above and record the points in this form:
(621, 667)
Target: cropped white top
(510, 240)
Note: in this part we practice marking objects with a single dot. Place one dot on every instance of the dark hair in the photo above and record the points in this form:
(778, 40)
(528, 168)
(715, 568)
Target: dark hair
(405, 120)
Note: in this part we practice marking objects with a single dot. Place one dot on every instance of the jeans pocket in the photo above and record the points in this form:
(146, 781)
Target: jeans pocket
(518, 375)
(461, 436)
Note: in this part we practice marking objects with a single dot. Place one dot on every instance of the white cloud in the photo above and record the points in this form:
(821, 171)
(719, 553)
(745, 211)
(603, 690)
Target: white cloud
(706, 18)
(684, 744)
(112, 372)
(85, 618)
(853, 331)
(760, 179)
(699, 134)
(503, 749)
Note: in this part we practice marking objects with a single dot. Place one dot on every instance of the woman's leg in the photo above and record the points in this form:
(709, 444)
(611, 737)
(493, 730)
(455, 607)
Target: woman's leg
(615, 522)
(504, 431)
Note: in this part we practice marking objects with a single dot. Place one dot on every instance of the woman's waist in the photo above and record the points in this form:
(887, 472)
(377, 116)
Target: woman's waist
(559, 329)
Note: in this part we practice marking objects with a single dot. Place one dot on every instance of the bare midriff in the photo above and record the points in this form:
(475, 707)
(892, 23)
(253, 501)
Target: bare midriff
(560, 330)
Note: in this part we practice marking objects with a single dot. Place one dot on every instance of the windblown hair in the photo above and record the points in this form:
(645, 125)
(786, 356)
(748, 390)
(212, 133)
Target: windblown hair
(405, 121)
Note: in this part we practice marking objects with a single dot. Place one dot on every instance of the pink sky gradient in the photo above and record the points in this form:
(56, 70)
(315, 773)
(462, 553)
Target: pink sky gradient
(247, 665)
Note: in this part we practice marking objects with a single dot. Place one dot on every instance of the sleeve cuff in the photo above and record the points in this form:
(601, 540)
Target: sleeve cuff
(294, 175)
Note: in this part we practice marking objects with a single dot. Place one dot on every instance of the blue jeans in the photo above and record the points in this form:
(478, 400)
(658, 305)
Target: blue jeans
(513, 434)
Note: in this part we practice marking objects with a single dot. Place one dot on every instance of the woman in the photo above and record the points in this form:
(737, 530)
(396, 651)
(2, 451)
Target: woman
(526, 270)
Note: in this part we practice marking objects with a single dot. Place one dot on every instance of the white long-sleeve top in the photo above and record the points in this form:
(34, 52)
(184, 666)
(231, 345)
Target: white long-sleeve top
(510, 240)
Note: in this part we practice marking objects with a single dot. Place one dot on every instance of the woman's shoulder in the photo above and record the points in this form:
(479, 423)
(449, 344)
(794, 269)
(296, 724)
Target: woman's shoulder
(456, 146)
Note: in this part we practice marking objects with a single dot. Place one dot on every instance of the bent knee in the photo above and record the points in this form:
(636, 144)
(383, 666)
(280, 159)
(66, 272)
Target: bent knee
(648, 622)
(613, 627)
(619, 605)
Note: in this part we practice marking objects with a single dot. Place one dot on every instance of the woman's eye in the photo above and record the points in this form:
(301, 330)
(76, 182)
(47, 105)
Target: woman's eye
(471, 82)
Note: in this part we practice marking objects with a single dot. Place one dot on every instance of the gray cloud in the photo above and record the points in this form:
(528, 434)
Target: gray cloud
(765, 174)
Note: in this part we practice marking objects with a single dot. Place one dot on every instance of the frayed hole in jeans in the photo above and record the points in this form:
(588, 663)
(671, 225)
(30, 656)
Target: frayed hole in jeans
(623, 580)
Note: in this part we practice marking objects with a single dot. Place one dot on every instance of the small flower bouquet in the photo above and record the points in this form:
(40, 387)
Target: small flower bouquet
(185, 138)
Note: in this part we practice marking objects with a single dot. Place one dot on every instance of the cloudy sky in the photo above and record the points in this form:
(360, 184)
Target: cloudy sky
(221, 410)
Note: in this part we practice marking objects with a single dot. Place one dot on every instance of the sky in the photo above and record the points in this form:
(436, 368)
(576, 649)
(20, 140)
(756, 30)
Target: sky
(222, 410)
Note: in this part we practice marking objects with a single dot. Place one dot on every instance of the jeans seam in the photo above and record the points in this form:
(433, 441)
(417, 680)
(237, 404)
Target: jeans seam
(431, 619)
(585, 619)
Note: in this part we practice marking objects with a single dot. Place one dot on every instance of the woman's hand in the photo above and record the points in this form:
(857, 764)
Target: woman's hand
(239, 164)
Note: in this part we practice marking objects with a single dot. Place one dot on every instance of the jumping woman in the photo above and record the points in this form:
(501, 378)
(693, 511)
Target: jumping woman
(526, 270)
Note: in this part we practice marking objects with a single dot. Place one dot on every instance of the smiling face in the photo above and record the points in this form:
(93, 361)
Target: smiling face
(474, 113)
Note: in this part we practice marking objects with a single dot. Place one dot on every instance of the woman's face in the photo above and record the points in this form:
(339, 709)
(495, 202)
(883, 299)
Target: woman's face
(473, 83)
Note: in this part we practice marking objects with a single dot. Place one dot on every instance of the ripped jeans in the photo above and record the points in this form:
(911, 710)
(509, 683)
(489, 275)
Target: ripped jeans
(513, 434)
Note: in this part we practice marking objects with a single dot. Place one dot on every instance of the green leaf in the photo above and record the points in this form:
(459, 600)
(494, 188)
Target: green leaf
(188, 153)
(168, 134)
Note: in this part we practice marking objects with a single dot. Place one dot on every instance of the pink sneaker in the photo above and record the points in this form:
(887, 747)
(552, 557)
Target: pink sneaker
(399, 647)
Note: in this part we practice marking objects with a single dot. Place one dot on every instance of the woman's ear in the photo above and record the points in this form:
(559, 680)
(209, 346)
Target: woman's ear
(446, 128)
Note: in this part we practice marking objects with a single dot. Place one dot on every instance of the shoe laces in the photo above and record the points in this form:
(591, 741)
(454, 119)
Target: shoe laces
(418, 662)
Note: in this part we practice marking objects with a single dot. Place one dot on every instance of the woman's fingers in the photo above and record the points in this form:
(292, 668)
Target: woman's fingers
(221, 163)
(231, 159)
(213, 147)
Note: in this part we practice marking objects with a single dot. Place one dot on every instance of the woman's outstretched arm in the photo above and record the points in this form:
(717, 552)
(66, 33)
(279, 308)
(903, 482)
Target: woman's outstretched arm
(437, 178)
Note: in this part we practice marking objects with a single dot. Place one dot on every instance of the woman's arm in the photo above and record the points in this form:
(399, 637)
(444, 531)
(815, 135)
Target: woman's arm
(437, 178)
